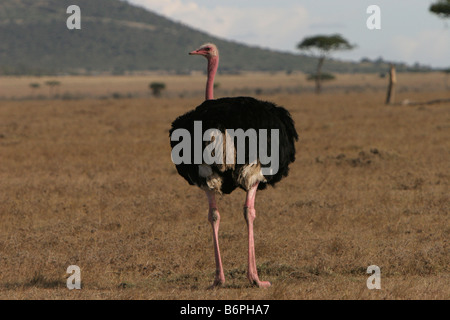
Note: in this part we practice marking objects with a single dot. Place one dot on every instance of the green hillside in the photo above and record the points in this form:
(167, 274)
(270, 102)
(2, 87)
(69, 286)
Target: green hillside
(117, 37)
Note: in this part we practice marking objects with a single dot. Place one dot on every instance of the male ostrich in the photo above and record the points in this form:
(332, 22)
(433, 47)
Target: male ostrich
(235, 113)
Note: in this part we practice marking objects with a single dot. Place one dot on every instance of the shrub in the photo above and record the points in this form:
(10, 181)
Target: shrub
(157, 88)
(323, 77)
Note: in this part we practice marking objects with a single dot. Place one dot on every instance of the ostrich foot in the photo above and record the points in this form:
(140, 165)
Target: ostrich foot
(217, 284)
(260, 284)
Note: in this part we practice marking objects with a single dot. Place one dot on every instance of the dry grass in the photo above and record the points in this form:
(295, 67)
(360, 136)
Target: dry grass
(72, 87)
(91, 183)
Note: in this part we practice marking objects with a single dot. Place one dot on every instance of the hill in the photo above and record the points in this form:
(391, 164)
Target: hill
(117, 37)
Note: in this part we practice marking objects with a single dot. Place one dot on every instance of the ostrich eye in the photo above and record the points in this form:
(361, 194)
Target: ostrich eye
(207, 49)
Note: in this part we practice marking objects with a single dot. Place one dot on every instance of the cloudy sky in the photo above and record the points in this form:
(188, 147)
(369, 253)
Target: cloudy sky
(408, 32)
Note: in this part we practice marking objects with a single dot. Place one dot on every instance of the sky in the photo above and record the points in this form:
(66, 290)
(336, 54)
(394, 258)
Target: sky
(409, 32)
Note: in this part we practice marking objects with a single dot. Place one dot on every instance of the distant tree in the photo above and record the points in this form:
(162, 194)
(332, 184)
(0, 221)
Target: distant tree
(321, 46)
(447, 74)
(34, 86)
(52, 84)
(379, 61)
(441, 8)
(157, 88)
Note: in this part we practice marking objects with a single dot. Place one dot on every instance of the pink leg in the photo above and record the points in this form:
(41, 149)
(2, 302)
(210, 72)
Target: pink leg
(214, 219)
(250, 215)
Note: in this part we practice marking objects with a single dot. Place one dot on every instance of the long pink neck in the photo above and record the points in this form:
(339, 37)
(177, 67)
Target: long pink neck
(213, 64)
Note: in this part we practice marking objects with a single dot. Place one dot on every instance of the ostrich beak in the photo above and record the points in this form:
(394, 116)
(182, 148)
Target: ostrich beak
(195, 52)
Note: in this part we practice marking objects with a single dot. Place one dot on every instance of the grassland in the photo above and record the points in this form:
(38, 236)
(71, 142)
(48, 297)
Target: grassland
(90, 182)
(103, 87)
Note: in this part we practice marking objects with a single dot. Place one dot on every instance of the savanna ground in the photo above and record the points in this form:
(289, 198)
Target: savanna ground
(90, 182)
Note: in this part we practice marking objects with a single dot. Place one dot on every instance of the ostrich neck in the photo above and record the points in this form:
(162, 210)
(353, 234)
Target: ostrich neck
(213, 64)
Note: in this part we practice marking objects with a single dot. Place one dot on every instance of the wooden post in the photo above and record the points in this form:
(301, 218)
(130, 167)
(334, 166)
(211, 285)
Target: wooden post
(390, 98)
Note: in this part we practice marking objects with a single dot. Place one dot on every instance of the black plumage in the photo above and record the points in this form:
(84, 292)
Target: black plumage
(238, 113)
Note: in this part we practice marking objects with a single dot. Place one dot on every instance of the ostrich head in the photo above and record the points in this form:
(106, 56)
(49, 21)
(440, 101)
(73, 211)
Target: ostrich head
(208, 50)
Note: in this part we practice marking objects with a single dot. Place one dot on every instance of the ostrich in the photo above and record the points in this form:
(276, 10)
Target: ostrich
(234, 113)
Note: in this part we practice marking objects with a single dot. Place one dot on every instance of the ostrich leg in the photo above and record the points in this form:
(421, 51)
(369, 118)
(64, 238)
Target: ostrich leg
(250, 215)
(214, 219)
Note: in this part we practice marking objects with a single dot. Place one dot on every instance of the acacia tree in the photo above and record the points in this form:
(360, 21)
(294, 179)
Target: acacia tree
(34, 86)
(321, 46)
(157, 88)
(441, 8)
(52, 84)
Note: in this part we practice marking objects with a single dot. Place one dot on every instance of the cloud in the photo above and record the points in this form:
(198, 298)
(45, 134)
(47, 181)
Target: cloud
(274, 27)
(281, 25)
(428, 46)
